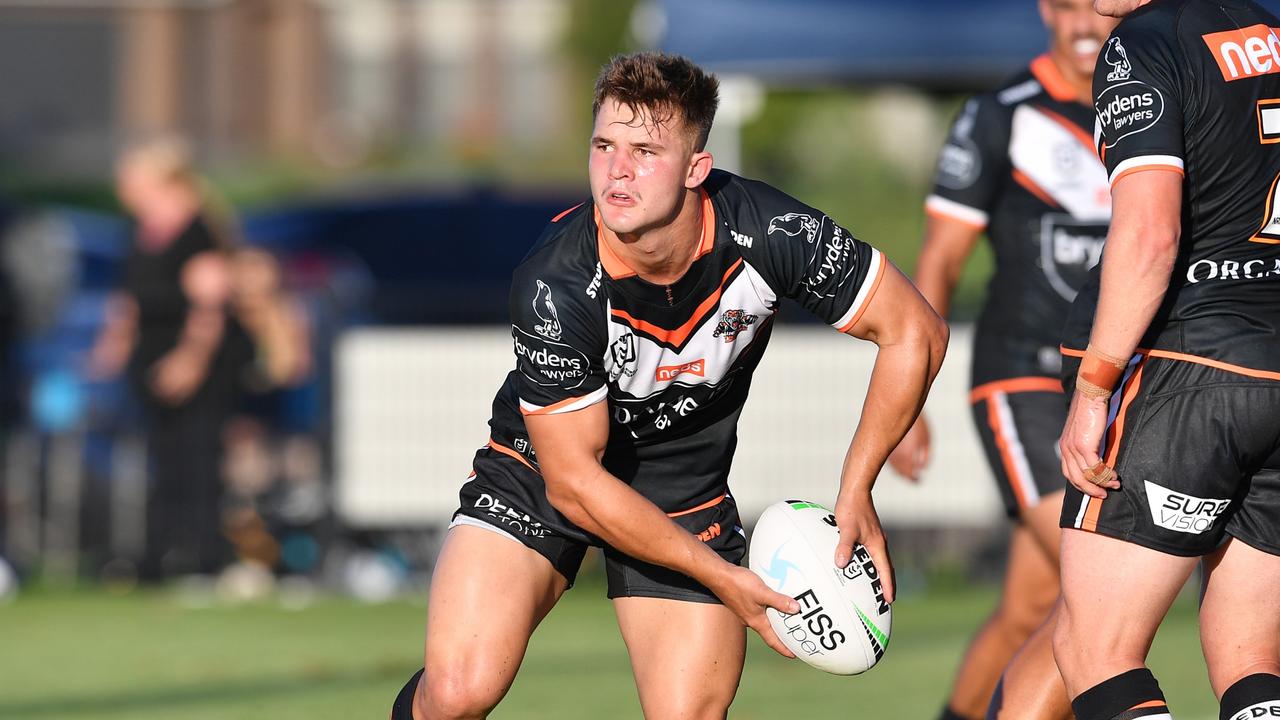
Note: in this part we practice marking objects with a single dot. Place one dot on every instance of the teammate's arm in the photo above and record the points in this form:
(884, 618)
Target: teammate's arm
(570, 447)
(912, 340)
(1141, 248)
(947, 245)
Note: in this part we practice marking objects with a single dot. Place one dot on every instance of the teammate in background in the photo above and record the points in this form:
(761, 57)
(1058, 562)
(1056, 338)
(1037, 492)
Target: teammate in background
(1172, 442)
(638, 319)
(1020, 166)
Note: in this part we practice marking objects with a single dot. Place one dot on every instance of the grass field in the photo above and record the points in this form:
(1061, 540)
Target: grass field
(86, 654)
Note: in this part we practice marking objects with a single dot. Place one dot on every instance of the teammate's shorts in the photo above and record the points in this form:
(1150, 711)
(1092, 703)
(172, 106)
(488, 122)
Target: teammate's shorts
(1019, 421)
(1197, 450)
(508, 496)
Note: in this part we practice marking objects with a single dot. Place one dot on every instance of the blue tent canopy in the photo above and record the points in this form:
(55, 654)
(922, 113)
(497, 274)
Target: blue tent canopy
(944, 44)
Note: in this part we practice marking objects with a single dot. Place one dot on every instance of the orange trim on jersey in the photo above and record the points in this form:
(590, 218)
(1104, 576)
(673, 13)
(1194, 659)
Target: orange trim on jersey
(1031, 187)
(1075, 130)
(619, 269)
(1014, 385)
(866, 302)
(680, 334)
(1046, 71)
(1208, 362)
(557, 218)
(511, 453)
(1145, 168)
(1148, 704)
(1010, 469)
(943, 214)
(553, 407)
(1266, 104)
(708, 504)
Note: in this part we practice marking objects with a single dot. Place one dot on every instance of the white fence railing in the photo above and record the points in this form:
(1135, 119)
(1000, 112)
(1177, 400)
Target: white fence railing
(412, 407)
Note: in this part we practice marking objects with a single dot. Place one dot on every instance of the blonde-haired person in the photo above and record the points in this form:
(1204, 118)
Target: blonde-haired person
(170, 330)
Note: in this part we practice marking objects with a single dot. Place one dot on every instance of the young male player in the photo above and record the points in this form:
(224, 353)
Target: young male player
(1020, 166)
(1172, 442)
(638, 319)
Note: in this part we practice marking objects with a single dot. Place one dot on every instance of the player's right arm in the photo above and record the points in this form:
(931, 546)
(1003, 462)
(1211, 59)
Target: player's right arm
(971, 166)
(560, 338)
(569, 447)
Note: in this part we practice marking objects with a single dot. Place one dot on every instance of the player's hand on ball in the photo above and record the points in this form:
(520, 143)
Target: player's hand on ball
(858, 522)
(747, 596)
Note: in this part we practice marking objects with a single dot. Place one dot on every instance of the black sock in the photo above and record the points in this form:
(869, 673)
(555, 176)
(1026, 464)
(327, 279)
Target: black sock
(1254, 696)
(949, 714)
(1127, 696)
(403, 707)
(997, 701)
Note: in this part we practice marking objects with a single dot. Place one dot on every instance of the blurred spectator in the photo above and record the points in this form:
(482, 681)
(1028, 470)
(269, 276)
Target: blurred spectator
(171, 330)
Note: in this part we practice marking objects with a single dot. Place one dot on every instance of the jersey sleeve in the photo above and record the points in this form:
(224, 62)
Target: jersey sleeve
(1138, 100)
(558, 339)
(972, 163)
(805, 256)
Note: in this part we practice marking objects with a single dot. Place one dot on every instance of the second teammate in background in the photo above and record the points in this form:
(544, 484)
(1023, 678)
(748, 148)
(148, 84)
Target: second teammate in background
(1019, 165)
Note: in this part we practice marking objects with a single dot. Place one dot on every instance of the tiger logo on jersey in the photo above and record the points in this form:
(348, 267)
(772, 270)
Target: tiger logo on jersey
(733, 322)
(793, 224)
(546, 312)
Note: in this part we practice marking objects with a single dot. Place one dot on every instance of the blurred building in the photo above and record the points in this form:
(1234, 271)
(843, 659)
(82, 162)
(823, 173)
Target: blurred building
(323, 80)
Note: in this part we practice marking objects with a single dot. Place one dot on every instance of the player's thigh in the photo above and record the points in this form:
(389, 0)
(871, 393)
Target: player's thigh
(686, 656)
(1115, 594)
(488, 593)
(1240, 610)
(1019, 433)
(1030, 584)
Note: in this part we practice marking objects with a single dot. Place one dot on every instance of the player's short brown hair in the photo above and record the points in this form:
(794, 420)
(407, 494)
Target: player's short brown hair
(663, 85)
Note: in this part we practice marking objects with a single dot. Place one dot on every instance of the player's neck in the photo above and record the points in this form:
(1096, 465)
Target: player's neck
(662, 255)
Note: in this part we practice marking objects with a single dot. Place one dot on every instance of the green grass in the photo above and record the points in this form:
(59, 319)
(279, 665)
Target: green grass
(87, 654)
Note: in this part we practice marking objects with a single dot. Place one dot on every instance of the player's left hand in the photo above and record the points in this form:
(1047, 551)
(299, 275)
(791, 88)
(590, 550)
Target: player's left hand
(1079, 445)
(858, 523)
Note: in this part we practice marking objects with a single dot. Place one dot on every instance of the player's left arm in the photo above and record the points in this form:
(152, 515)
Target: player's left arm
(912, 340)
(1142, 246)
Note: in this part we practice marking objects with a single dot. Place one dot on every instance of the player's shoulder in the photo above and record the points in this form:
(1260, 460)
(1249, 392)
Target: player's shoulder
(1016, 89)
(749, 206)
(565, 255)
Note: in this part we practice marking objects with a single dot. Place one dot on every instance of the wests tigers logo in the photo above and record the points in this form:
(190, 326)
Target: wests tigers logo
(733, 322)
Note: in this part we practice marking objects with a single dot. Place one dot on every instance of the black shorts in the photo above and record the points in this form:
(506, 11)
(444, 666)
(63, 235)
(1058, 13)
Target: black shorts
(1019, 421)
(507, 495)
(1197, 450)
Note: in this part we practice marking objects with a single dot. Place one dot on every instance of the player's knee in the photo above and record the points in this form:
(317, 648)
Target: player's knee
(455, 694)
(1022, 619)
(702, 704)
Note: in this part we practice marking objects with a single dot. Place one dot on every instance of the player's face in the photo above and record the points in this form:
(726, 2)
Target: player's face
(1076, 33)
(639, 170)
(1117, 8)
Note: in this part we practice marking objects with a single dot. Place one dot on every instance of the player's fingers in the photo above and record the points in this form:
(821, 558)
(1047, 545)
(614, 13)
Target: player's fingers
(781, 603)
(765, 630)
(878, 549)
(844, 547)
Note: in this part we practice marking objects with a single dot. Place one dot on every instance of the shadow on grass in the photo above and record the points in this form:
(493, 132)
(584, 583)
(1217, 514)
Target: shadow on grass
(205, 693)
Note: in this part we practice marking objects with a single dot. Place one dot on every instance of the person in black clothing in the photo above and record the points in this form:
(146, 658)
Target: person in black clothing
(169, 329)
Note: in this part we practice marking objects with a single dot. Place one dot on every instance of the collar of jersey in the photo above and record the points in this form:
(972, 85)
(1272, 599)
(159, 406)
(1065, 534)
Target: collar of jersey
(618, 269)
(1046, 71)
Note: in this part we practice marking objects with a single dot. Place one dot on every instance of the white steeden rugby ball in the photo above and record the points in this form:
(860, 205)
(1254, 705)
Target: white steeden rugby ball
(843, 623)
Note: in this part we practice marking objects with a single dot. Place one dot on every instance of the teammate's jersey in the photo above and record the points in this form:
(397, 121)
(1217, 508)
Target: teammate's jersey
(1020, 163)
(1194, 86)
(673, 362)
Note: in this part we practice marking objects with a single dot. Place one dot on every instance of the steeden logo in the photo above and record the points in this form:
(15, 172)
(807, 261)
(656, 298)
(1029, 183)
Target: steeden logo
(671, 372)
(1246, 52)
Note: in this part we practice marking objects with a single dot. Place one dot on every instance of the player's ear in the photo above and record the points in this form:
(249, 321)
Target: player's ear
(700, 164)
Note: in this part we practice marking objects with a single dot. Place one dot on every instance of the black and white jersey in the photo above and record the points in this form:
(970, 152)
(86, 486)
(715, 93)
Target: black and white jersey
(1193, 86)
(675, 362)
(1021, 165)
